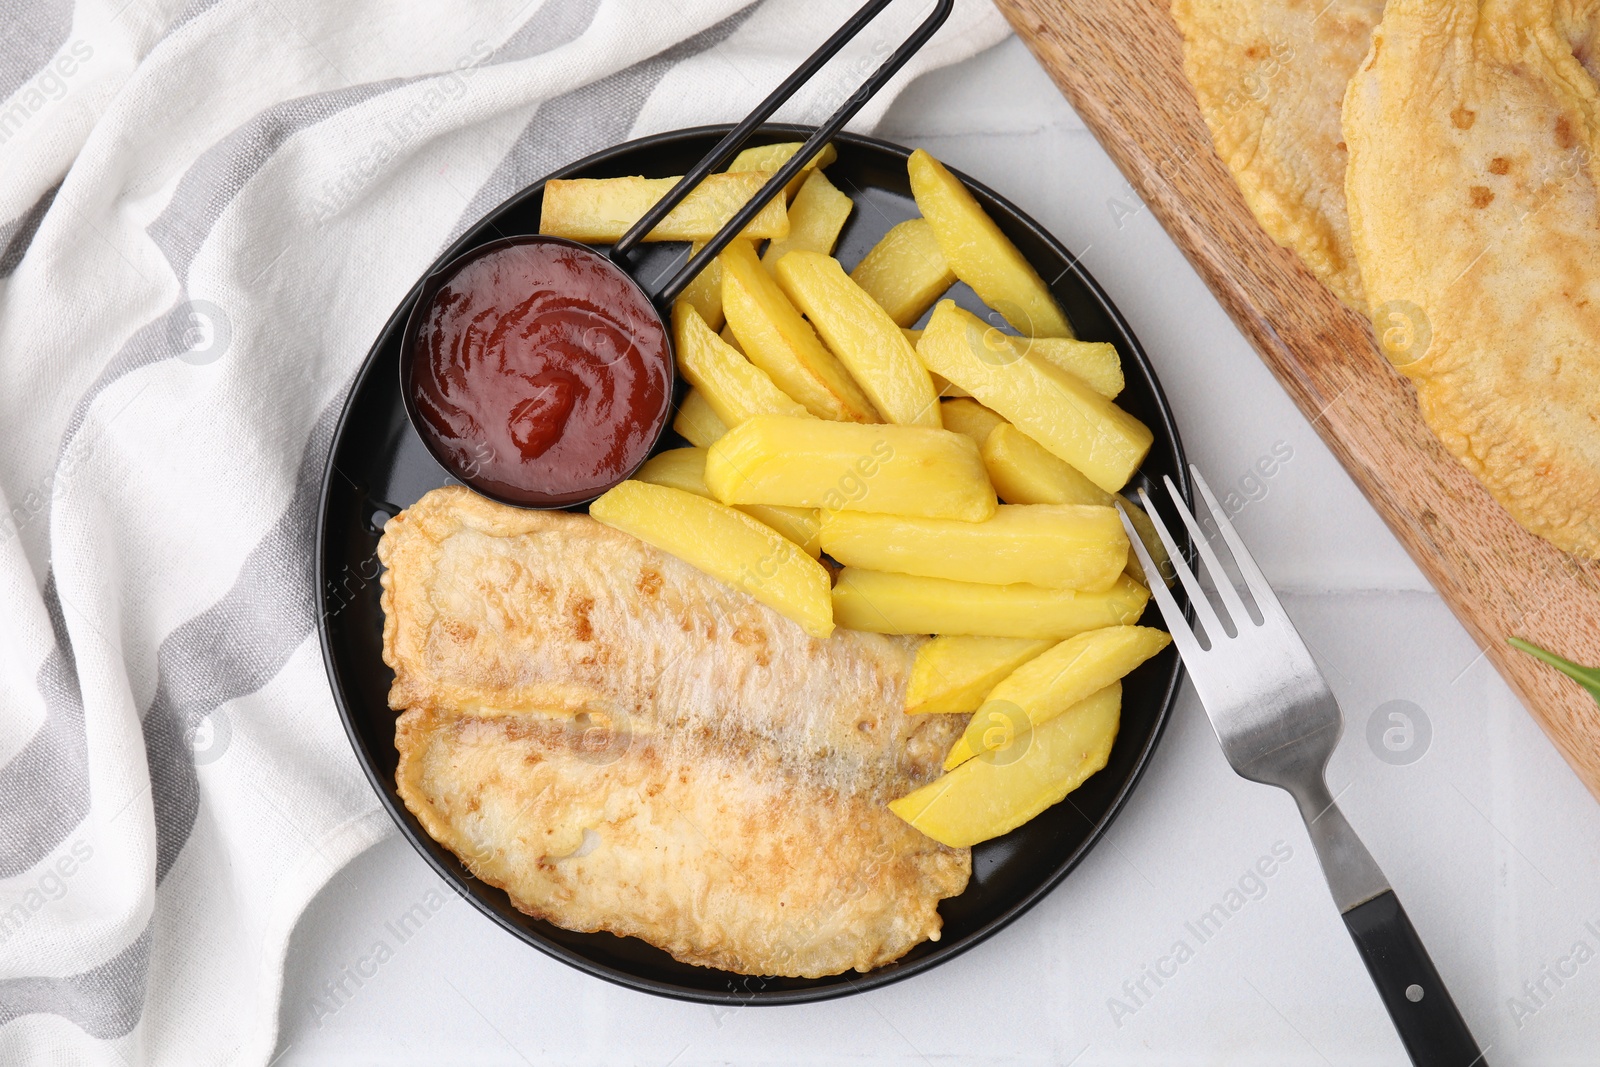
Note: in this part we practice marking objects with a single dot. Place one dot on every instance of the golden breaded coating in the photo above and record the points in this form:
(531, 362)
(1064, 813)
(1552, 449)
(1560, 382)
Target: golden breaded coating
(1270, 76)
(623, 743)
(1474, 135)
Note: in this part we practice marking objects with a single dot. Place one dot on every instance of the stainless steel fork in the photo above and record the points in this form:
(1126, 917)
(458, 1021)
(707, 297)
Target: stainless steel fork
(1278, 723)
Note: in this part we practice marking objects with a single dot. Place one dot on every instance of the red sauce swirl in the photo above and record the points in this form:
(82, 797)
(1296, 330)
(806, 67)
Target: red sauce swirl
(542, 373)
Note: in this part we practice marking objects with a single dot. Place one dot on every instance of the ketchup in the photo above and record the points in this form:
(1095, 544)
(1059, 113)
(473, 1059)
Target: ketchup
(542, 373)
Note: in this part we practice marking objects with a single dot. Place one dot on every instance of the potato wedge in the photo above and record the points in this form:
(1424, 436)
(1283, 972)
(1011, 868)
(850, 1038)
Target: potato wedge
(727, 544)
(905, 272)
(861, 333)
(705, 292)
(734, 388)
(1095, 362)
(1152, 544)
(1057, 409)
(885, 603)
(685, 469)
(812, 463)
(697, 423)
(954, 674)
(1059, 546)
(601, 210)
(966, 415)
(817, 215)
(769, 157)
(981, 255)
(775, 338)
(1024, 472)
(985, 798)
(803, 526)
(1055, 681)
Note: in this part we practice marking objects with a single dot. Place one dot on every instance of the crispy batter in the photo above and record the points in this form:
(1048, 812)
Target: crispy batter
(1270, 76)
(623, 743)
(1473, 131)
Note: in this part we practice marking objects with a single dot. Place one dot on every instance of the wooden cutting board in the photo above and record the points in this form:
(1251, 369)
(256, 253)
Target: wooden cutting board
(1120, 64)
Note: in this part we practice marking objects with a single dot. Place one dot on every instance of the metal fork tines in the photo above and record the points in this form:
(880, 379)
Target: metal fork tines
(1278, 723)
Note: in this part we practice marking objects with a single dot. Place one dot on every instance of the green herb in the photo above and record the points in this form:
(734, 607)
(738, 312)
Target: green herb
(1588, 677)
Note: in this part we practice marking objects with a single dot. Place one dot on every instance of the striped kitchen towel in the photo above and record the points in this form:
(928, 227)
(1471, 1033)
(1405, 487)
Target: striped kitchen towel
(208, 209)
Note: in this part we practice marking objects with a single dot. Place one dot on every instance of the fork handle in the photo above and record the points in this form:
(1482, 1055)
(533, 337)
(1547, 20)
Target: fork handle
(1430, 1027)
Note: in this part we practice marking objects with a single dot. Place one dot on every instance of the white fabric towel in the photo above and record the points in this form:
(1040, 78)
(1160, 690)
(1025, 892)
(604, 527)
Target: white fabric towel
(208, 208)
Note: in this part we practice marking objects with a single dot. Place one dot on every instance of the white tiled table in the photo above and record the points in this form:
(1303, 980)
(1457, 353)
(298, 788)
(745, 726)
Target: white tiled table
(1490, 840)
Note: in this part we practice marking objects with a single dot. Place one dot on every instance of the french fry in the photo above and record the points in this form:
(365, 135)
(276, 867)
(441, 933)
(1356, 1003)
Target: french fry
(705, 292)
(697, 423)
(1024, 472)
(685, 469)
(726, 544)
(601, 210)
(776, 339)
(980, 254)
(954, 674)
(1152, 544)
(1057, 409)
(677, 468)
(817, 215)
(812, 463)
(1066, 546)
(866, 340)
(905, 272)
(803, 526)
(769, 157)
(727, 334)
(734, 388)
(1053, 682)
(1095, 362)
(965, 415)
(985, 798)
(886, 603)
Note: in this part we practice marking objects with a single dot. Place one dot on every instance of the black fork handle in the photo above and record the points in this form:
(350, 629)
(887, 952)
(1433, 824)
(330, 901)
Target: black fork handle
(1430, 1027)
(736, 137)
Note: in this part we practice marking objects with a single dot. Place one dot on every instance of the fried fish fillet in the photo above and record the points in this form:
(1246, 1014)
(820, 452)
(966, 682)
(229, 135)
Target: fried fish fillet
(623, 743)
(1473, 131)
(1270, 77)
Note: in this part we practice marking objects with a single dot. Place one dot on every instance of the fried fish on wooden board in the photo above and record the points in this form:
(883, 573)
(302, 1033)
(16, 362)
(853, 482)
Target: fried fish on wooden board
(623, 743)
(1473, 131)
(1270, 77)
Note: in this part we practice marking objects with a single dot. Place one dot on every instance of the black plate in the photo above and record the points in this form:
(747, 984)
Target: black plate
(378, 465)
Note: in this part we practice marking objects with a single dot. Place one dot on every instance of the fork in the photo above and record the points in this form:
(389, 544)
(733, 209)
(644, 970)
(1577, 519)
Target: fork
(1278, 723)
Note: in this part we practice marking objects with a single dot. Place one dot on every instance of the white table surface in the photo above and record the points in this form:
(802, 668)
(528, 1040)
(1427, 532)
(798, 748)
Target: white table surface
(1489, 839)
